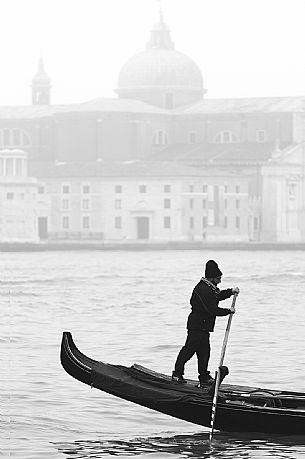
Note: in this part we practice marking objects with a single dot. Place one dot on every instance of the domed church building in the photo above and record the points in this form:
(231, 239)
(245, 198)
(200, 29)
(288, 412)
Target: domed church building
(160, 162)
(160, 75)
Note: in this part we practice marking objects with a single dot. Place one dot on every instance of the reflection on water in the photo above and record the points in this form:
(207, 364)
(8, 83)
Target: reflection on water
(196, 446)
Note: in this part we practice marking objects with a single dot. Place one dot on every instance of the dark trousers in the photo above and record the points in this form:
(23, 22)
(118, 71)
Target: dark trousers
(197, 342)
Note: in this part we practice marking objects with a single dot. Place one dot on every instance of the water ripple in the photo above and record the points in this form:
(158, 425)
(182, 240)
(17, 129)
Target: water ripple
(192, 446)
(125, 308)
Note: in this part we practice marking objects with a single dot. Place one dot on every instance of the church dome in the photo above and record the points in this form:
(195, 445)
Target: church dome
(160, 70)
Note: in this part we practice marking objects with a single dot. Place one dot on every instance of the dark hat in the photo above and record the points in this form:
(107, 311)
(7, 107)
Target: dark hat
(212, 270)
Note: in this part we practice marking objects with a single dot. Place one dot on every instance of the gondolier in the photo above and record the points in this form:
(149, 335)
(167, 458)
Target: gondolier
(201, 321)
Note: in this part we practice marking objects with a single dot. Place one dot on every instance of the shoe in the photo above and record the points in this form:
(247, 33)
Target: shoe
(178, 379)
(205, 381)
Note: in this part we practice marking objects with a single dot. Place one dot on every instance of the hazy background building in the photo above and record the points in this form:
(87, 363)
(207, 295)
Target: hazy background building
(159, 162)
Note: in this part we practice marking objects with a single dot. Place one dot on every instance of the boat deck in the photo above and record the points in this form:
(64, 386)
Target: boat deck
(228, 393)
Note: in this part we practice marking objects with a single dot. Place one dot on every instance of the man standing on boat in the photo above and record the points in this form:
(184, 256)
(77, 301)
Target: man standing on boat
(201, 321)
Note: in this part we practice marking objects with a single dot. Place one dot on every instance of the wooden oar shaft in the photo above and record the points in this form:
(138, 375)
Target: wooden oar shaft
(226, 337)
(222, 356)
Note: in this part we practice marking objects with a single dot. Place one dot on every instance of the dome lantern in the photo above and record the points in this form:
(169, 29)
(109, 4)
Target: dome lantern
(160, 36)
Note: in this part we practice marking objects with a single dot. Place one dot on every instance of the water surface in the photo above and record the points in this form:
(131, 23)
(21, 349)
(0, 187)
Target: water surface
(126, 307)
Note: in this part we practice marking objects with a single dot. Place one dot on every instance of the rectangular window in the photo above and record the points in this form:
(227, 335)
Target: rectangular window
(142, 188)
(204, 203)
(225, 188)
(161, 138)
(65, 222)
(118, 222)
(260, 136)
(237, 222)
(167, 188)
(225, 221)
(86, 204)
(237, 189)
(204, 189)
(86, 189)
(118, 204)
(9, 167)
(225, 203)
(118, 189)
(6, 137)
(191, 222)
(191, 203)
(192, 137)
(204, 221)
(191, 188)
(16, 137)
(9, 196)
(19, 167)
(25, 139)
(237, 203)
(66, 189)
(167, 222)
(86, 222)
(41, 189)
(292, 191)
(227, 137)
(65, 204)
(167, 203)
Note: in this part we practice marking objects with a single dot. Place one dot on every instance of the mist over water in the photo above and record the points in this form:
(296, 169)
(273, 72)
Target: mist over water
(126, 307)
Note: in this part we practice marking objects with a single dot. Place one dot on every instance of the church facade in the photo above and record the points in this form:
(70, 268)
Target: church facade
(159, 162)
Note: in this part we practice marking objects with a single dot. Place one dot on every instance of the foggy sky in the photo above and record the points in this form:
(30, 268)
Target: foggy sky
(245, 48)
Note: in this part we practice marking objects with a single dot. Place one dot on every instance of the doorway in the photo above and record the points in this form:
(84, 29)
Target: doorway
(43, 228)
(142, 228)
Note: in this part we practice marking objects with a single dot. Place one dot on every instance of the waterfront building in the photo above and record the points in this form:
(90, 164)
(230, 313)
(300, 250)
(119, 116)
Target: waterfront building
(156, 201)
(129, 201)
(235, 167)
(18, 205)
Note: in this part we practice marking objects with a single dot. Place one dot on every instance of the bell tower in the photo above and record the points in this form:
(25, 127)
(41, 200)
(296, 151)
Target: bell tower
(41, 86)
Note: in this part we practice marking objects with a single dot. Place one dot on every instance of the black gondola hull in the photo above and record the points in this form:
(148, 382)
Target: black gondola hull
(237, 409)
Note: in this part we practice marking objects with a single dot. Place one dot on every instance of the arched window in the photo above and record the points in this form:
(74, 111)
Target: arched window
(160, 138)
(225, 137)
(14, 138)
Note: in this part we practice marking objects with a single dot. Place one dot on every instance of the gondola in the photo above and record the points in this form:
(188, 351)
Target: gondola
(239, 408)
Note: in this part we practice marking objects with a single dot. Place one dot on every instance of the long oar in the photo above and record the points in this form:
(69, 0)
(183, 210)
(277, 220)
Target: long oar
(222, 356)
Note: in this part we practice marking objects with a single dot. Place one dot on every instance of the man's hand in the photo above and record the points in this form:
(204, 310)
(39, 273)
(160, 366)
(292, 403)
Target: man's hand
(235, 291)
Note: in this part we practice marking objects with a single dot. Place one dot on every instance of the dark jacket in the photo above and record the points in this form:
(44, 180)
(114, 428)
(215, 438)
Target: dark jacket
(204, 302)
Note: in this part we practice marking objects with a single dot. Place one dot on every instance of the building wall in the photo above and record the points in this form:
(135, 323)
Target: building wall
(168, 98)
(244, 126)
(18, 192)
(204, 208)
(122, 136)
(36, 136)
(260, 210)
(76, 138)
(283, 198)
(114, 206)
(217, 207)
